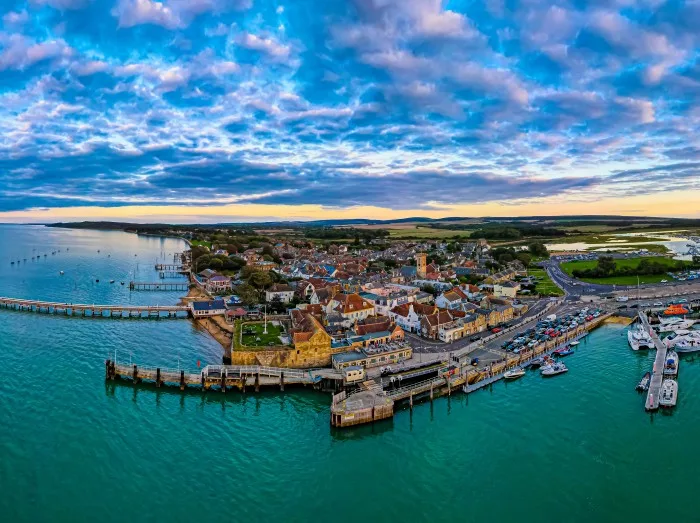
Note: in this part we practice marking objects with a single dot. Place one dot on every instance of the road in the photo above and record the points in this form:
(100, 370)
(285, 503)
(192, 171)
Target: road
(425, 346)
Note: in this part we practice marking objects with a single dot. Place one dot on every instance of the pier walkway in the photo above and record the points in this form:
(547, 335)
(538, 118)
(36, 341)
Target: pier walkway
(158, 286)
(221, 376)
(657, 373)
(95, 311)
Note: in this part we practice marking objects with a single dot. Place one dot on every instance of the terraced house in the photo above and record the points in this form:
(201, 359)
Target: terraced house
(351, 307)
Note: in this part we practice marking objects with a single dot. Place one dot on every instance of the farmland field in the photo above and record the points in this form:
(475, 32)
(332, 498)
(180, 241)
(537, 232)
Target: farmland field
(570, 267)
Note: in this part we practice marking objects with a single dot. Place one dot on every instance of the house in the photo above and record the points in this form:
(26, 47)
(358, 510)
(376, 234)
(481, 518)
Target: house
(202, 309)
(508, 289)
(408, 316)
(432, 324)
(451, 299)
(264, 266)
(352, 308)
(280, 291)
(368, 359)
(218, 283)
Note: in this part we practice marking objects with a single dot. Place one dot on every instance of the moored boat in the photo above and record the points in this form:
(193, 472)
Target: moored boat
(671, 366)
(574, 343)
(565, 351)
(644, 382)
(514, 374)
(553, 369)
(638, 338)
(669, 393)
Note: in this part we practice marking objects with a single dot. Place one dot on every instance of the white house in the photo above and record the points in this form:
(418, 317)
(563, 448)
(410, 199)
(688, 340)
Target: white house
(507, 289)
(218, 283)
(280, 291)
(406, 317)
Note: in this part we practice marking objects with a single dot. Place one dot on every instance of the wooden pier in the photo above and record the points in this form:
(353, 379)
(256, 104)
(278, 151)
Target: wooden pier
(95, 311)
(171, 267)
(158, 286)
(221, 377)
(657, 373)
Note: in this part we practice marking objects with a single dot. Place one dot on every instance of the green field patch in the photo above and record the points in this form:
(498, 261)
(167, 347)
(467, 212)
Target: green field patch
(253, 335)
(629, 279)
(545, 286)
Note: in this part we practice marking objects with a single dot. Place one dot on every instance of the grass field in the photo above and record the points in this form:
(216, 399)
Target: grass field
(545, 286)
(253, 331)
(570, 267)
(200, 243)
(424, 232)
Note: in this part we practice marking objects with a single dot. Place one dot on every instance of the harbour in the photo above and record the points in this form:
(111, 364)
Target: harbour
(106, 429)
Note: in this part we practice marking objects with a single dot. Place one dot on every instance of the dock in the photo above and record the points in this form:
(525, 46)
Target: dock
(158, 286)
(657, 373)
(221, 377)
(174, 267)
(95, 311)
(374, 403)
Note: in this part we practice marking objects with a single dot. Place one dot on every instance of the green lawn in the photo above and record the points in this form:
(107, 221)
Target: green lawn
(200, 243)
(570, 267)
(253, 331)
(545, 286)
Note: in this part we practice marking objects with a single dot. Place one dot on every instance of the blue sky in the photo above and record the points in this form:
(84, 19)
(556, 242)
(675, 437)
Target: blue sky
(212, 109)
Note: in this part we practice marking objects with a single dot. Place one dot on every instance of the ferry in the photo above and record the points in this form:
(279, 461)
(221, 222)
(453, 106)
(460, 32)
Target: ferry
(514, 374)
(644, 382)
(669, 394)
(671, 367)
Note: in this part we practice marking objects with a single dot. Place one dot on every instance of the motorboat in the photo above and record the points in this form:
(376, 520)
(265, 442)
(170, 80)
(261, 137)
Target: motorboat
(671, 366)
(638, 338)
(574, 343)
(669, 394)
(687, 345)
(61, 273)
(644, 382)
(565, 351)
(111, 281)
(553, 369)
(514, 374)
(674, 324)
(122, 283)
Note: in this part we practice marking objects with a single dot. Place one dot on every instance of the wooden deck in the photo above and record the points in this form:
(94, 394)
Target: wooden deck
(95, 311)
(158, 286)
(657, 373)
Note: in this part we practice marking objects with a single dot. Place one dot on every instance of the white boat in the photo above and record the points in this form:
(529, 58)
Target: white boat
(514, 374)
(687, 345)
(669, 393)
(61, 273)
(671, 366)
(574, 343)
(553, 369)
(674, 324)
(638, 338)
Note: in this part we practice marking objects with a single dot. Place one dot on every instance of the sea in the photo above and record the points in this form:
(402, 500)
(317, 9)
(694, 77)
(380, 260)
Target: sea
(73, 447)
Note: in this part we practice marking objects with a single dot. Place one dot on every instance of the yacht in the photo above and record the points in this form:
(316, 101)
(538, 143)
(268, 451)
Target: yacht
(671, 367)
(574, 343)
(514, 374)
(687, 344)
(669, 393)
(638, 338)
(553, 369)
(674, 324)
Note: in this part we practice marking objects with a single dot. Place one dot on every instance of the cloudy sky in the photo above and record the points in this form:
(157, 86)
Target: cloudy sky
(209, 110)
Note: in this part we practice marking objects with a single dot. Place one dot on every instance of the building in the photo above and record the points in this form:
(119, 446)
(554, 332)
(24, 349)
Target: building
(367, 360)
(218, 283)
(508, 289)
(353, 374)
(352, 308)
(451, 299)
(421, 265)
(202, 309)
(281, 292)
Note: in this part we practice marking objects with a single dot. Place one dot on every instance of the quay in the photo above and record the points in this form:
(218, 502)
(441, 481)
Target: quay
(657, 373)
(224, 377)
(372, 403)
(158, 286)
(95, 311)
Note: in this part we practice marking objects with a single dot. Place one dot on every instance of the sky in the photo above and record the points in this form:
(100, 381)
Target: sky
(254, 110)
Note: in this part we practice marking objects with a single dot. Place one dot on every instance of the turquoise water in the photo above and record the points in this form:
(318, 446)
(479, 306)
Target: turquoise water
(576, 447)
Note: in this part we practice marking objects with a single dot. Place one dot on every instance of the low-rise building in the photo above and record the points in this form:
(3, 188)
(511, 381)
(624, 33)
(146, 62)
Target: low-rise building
(280, 291)
(202, 309)
(508, 289)
(218, 283)
(368, 359)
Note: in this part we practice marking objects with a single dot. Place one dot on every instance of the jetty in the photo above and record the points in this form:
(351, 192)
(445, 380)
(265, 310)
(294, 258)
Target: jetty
(95, 311)
(158, 286)
(223, 377)
(372, 403)
(171, 267)
(657, 373)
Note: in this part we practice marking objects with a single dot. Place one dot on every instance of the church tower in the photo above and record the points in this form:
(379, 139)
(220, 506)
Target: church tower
(421, 258)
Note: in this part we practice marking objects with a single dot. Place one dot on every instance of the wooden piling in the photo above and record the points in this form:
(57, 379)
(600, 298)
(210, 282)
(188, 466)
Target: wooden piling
(410, 400)
(108, 365)
(135, 374)
(282, 381)
(182, 380)
(223, 380)
(257, 381)
(202, 378)
(431, 392)
(158, 380)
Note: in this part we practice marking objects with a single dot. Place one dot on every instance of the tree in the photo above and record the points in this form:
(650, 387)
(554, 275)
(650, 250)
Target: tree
(260, 279)
(267, 250)
(216, 264)
(524, 258)
(247, 293)
(277, 306)
(538, 249)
